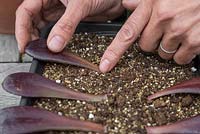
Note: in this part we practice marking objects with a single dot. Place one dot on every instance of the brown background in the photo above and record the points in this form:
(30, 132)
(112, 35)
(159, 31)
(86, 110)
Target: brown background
(7, 15)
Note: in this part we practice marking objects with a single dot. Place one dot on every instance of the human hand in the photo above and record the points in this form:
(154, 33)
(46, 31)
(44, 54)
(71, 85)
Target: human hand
(130, 4)
(32, 15)
(173, 23)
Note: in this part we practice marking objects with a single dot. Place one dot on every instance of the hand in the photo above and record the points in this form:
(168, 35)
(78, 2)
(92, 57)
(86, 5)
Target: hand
(32, 15)
(173, 23)
(130, 4)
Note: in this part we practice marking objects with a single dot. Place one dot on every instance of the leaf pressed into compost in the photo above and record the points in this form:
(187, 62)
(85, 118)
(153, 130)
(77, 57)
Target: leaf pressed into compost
(38, 49)
(188, 86)
(25, 119)
(34, 85)
(187, 126)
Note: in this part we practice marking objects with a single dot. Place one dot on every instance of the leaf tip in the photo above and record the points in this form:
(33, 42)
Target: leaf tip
(150, 98)
(95, 68)
(98, 98)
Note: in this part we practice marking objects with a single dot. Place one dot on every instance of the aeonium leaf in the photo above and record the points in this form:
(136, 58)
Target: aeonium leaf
(188, 86)
(38, 49)
(34, 85)
(187, 126)
(25, 119)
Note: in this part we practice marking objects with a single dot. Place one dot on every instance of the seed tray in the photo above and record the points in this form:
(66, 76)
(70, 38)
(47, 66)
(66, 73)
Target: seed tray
(38, 66)
(107, 29)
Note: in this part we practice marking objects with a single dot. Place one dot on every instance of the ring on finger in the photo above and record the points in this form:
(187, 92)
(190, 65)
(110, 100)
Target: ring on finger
(166, 51)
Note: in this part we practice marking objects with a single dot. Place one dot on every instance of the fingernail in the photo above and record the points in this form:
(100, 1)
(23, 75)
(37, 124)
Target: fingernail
(56, 44)
(105, 66)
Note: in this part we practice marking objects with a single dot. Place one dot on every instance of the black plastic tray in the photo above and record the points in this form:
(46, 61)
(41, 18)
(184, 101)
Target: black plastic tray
(107, 29)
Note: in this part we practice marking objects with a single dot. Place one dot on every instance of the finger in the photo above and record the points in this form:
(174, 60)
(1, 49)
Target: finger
(106, 15)
(35, 34)
(23, 26)
(169, 44)
(65, 27)
(190, 46)
(130, 4)
(99, 18)
(184, 55)
(151, 36)
(127, 35)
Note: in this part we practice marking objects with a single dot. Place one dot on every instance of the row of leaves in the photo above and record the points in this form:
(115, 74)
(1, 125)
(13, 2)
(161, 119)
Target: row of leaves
(26, 119)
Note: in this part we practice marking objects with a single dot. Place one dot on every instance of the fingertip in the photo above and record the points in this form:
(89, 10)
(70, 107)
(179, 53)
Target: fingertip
(56, 44)
(105, 66)
(185, 61)
(179, 62)
(110, 57)
(130, 4)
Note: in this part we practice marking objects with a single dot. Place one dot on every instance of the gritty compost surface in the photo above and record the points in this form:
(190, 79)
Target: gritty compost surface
(136, 76)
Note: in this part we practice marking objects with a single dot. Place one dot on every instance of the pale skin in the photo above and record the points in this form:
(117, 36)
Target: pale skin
(174, 23)
(32, 15)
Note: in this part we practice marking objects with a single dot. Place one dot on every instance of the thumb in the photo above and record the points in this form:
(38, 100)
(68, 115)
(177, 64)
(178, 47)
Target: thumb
(130, 4)
(65, 27)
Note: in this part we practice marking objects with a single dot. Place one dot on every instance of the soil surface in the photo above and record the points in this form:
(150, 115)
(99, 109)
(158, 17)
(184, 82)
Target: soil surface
(136, 76)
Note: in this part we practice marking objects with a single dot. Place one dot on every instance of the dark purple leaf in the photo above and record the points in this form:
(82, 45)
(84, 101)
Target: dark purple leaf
(189, 86)
(34, 85)
(24, 119)
(38, 49)
(187, 126)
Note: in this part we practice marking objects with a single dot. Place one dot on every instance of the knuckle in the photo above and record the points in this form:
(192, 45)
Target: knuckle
(88, 6)
(66, 27)
(163, 14)
(128, 32)
(177, 30)
(192, 42)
